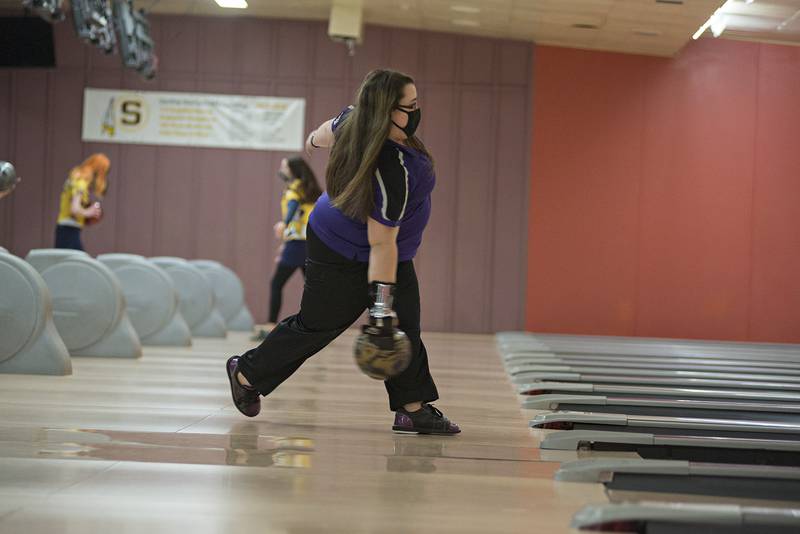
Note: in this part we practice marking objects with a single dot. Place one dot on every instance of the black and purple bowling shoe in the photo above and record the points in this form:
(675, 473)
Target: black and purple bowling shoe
(428, 420)
(246, 399)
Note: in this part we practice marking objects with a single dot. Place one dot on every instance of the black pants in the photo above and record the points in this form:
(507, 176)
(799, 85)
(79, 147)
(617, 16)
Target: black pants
(279, 279)
(334, 296)
(68, 237)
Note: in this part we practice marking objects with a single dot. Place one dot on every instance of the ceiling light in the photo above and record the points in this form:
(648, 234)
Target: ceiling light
(465, 22)
(232, 4)
(466, 9)
(718, 25)
(710, 20)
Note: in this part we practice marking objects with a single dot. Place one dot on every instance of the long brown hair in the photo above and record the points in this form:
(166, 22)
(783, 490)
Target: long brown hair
(309, 188)
(359, 140)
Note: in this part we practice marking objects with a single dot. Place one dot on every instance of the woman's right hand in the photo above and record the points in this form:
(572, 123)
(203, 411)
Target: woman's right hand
(93, 211)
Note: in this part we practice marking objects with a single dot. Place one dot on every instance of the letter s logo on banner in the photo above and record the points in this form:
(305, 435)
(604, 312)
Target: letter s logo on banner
(163, 118)
(123, 113)
(131, 112)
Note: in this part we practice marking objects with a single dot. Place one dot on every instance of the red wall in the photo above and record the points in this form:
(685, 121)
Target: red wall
(221, 204)
(665, 195)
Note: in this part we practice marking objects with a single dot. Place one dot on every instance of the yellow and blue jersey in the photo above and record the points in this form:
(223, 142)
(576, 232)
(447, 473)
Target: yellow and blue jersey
(76, 184)
(295, 212)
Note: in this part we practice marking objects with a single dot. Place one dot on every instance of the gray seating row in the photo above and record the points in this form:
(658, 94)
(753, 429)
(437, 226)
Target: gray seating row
(29, 341)
(61, 303)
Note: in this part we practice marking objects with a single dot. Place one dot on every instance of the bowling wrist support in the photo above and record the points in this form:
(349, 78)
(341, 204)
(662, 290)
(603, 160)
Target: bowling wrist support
(382, 294)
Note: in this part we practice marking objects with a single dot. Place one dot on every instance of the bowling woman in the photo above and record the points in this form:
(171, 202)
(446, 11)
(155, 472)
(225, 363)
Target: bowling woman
(300, 193)
(362, 237)
(76, 209)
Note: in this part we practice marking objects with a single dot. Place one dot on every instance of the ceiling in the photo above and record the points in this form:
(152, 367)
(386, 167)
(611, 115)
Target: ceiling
(649, 27)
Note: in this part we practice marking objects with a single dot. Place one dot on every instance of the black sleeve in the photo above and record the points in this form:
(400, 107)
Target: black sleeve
(391, 187)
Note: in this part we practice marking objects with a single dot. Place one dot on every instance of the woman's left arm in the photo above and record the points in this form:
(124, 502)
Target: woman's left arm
(322, 137)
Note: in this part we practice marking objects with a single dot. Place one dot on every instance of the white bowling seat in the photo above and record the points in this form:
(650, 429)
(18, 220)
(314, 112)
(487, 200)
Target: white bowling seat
(151, 298)
(3, 250)
(195, 297)
(229, 293)
(29, 341)
(43, 258)
(88, 306)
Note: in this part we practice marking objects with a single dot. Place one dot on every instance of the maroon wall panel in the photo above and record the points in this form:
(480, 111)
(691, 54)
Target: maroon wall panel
(404, 51)
(474, 196)
(217, 47)
(294, 48)
(214, 187)
(584, 220)
(513, 57)
(136, 216)
(477, 61)
(510, 210)
(221, 204)
(178, 48)
(374, 55)
(65, 89)
(776, 198)
(30, 97)
(664, 198)
(255, 58)
(6, 147)
(253, 243)
(696, 220)
(438, 67)
(176, 211)
(436, 259)
(70, 52)
(329, 63)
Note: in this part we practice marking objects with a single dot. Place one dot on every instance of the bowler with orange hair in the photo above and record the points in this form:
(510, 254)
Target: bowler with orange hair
(80, 206)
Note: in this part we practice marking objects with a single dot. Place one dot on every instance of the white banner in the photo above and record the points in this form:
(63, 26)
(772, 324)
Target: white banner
(193, 119)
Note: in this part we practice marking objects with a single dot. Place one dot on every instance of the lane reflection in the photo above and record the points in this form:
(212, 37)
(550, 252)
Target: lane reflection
(243, 446)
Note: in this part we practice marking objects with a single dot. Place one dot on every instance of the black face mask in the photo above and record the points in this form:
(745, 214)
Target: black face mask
(413, 121)
(283, 176)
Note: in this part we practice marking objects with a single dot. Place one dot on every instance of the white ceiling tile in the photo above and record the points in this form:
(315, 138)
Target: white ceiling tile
(542, 21)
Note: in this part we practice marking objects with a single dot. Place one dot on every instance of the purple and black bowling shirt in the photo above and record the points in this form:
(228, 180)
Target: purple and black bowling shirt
(402, 186)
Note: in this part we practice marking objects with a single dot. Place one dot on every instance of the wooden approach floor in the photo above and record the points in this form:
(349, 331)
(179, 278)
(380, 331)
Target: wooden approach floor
(155, 446)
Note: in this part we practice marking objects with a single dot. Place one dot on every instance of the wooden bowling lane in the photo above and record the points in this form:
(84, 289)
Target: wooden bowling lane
(154, 445)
